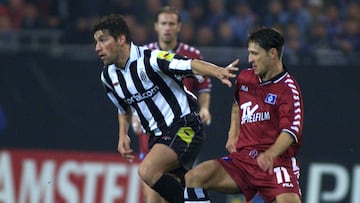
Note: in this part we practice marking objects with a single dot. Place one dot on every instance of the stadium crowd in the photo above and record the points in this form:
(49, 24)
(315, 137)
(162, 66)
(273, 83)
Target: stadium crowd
(306, 24)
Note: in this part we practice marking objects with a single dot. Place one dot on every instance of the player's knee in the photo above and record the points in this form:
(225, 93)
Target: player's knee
(202, 175)
(145, 174)
(193, 178)
(152, 196)
(288, 198)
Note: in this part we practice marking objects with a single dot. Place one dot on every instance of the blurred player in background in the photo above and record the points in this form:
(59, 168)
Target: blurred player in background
(264, 135)
(167, 25)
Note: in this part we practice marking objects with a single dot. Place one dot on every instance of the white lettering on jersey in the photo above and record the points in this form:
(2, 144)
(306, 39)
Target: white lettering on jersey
(249, 115)
(142, 96)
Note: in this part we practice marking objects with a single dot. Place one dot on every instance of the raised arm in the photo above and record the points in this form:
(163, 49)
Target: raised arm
(223, 74)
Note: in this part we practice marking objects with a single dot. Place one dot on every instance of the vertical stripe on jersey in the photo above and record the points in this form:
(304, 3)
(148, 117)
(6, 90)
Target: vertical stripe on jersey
(135, 105)
(164, 88)
(108, 80)
(158, 117)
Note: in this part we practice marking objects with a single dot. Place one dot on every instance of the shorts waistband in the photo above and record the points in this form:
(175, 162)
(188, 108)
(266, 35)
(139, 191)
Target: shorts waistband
(185, 120)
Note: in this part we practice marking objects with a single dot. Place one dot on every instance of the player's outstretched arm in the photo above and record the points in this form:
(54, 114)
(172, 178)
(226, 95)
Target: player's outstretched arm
(209, 69)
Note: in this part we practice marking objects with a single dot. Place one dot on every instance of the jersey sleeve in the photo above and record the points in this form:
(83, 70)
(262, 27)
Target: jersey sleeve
(170, 62)
(237, 88)
(203, 84)
(199, 84)
(110, 92)
(291, 111)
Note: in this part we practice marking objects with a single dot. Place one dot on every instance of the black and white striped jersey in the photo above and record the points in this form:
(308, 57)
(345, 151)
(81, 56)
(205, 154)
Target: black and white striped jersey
(151, 85)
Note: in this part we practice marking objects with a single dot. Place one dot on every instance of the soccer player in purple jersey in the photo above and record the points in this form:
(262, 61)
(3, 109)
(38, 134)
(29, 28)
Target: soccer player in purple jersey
(265, 131)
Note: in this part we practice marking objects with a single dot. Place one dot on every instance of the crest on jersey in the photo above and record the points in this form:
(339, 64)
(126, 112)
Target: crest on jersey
(143, 76)
(244, 88)
(165, 55)
(270, 98)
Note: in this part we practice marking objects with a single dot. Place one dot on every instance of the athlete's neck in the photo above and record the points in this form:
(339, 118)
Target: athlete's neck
(123, 57)
(272, 72)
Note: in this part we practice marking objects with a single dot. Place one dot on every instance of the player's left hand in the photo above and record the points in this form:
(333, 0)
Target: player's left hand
(228, 72)
(234, 63)
(266, 161)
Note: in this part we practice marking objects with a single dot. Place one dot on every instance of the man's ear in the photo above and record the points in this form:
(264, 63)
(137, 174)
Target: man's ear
(273, 53)
(179, 27)
(121, 39)
(156, 26)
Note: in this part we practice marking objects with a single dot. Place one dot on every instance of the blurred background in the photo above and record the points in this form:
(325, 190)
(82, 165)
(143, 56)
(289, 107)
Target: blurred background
(58, 130)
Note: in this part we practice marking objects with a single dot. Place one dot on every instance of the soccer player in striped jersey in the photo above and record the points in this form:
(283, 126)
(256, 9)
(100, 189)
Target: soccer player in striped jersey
(148, 83)
(167, 24)
(264, 135)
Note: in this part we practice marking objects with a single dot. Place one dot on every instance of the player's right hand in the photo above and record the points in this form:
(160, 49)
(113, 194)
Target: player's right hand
(124, 148)
(231, 144)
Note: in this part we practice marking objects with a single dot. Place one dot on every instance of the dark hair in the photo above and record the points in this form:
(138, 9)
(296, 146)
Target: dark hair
(167, 9)
(267, 38)
(115, 24)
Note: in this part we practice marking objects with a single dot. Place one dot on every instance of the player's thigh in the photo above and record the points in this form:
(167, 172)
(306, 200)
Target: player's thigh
(287, 198)
(211, 175)
(159, 160)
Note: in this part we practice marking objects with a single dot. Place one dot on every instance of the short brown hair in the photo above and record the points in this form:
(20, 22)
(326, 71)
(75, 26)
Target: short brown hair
(115, 24)
(167, 9)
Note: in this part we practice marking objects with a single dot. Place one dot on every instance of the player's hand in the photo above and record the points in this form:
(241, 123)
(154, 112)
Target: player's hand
(205, 116)
(228, 72)
(231, 144)
(234, 63)
(266, 161)
(124, 148)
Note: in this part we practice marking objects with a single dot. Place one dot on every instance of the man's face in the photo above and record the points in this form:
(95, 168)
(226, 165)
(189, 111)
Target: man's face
(259, 58)
(106, 47)
(167, 27)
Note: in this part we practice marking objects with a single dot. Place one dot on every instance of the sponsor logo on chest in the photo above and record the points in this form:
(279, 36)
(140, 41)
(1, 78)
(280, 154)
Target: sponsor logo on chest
(249, 114)
(138, 97)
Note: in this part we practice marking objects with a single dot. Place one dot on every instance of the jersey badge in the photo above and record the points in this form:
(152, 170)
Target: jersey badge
(186, 134)
(143, 76)
(244, 88)
(165, 55)
(270, 98)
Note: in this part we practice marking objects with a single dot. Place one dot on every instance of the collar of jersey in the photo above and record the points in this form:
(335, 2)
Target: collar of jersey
(275, 79)
(135, 53)
(175, 50)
